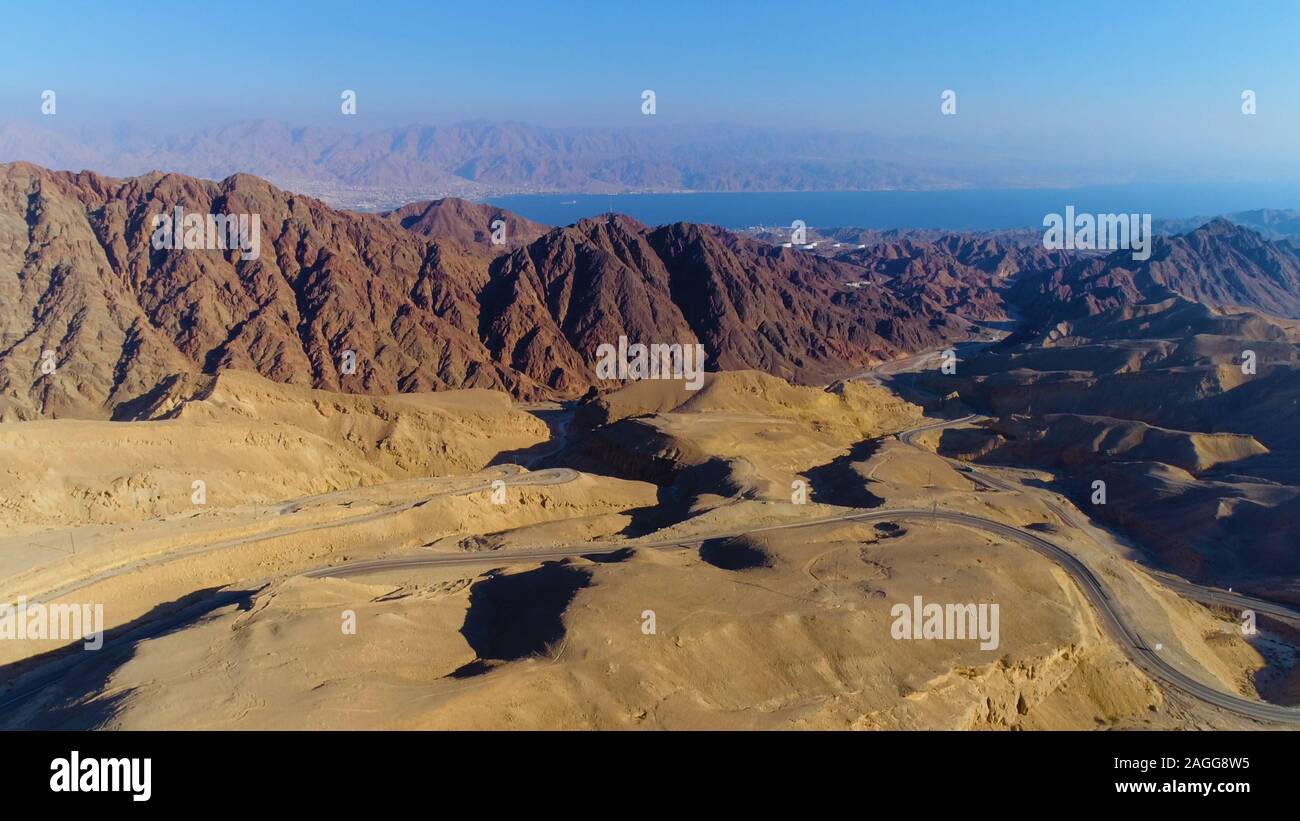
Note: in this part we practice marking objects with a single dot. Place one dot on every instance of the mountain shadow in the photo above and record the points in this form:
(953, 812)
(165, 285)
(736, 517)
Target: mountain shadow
(839, 482)
(515, 616)
(63, 687)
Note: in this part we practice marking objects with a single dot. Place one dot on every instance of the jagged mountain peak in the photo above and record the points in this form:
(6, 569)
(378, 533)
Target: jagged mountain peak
(360, 303)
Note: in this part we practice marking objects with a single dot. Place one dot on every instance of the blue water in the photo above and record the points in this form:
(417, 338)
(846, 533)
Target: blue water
(953, 210)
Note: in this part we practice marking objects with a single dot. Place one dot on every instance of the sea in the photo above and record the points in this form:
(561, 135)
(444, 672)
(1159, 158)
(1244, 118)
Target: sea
(959, 210)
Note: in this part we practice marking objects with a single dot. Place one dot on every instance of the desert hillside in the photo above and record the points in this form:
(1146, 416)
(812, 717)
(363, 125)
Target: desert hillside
(352, 567)
(1183, 408)
(367, 475)
(247, 440)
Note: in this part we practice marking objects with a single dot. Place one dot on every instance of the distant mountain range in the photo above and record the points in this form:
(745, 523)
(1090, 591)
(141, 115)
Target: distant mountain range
(1270, 223)
(390, 167)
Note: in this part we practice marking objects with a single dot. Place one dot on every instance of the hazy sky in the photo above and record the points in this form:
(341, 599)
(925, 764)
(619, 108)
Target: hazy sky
(1094, 80)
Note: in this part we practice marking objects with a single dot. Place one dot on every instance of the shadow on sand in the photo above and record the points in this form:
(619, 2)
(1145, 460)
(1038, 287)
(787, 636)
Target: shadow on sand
(518, 615)
(839, 483)
(62, 689)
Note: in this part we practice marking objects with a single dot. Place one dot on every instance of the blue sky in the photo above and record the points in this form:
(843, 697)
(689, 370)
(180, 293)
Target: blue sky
(1091, 79)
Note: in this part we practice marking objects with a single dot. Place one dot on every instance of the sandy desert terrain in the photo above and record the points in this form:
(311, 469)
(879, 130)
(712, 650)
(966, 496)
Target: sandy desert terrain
(375, 473)
(651, 559)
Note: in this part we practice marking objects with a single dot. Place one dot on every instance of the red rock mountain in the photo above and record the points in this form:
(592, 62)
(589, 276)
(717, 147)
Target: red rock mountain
(82, 291)
(452, 219)
(1219, 264)
(962, 273)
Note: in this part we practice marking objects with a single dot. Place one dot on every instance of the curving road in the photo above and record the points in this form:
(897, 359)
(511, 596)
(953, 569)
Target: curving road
(1144, 657)
(32, 681)
(1206, 595)
(1138, 652)
(511, 478)
(1141, 655)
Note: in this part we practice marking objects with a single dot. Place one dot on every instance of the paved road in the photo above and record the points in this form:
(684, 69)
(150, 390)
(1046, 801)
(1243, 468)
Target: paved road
(1146, 658)
(1143, 656)
(908, 437)
(1207, 595)
(1196, 592)
(511, 478)
(1224, 598)
(116, 645)
(34, 680)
